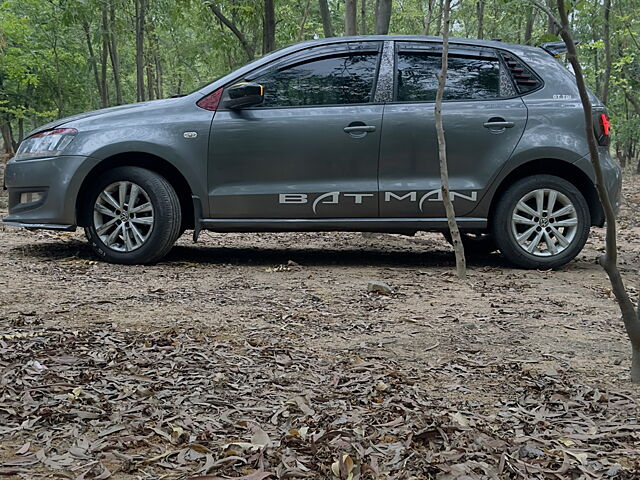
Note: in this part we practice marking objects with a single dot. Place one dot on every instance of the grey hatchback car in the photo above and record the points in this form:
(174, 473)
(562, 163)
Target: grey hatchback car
(331, 135)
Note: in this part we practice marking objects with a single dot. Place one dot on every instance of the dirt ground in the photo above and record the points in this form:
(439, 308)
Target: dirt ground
(257, 354)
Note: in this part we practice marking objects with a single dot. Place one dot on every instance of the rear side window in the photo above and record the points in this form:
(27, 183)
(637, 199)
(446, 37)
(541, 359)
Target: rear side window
(525, 79)
(468, 78)
(340, 80)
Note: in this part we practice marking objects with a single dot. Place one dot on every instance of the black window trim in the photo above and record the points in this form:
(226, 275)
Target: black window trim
(454, 49)
(310, 54)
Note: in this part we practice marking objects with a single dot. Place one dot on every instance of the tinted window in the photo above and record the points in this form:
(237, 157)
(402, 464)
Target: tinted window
(337, 80)
(467, 77)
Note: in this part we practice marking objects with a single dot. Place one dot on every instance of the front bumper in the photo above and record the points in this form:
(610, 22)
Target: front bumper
(55, 181)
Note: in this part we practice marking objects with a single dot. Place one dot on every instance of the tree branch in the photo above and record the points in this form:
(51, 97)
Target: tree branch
(458, 246)
(248, 50)
(609, 261)
(549, 13)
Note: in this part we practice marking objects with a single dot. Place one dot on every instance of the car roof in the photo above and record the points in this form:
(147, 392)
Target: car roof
(421, 38)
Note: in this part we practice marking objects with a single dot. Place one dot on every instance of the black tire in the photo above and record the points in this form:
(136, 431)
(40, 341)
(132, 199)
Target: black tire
(475, 243)
(160, 234)
(566, 233)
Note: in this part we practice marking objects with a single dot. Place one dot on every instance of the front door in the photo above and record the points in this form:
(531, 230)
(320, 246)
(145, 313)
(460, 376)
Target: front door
(483, 122)
(311, 150)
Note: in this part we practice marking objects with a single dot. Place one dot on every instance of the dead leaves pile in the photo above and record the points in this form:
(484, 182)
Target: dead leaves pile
(100, 403)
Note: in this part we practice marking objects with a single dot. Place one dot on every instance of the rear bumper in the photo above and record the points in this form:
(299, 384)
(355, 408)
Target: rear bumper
(43, 192)
(612, 174)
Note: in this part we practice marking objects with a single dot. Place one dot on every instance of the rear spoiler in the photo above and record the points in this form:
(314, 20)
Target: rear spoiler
(556, 49)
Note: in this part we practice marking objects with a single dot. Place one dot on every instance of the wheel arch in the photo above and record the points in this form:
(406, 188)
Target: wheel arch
(559, 168)
(143, 160)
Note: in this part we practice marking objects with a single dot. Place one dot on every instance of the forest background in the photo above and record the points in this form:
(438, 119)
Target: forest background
(60, 57)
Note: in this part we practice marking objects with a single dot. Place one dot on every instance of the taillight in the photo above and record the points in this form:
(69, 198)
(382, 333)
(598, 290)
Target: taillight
(602, 127)
(211, 101)
(606, 124)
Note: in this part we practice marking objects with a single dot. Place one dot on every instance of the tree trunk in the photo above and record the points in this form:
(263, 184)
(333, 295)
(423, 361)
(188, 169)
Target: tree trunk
(159, 77)
(461, 267)
(325, 15)
(150, 80)
(92, 57)
(635, 364)
(607, 53)
(350, 25)
(428, 17)
(140, 16)
(480, 13)
(104, 57)
(248, 49)
(20, 130)
(113, 54)
(7, 137)
(609, 261)
(269, 28)
(439, 20)
(303, 23)
(383, 17)
(528, 28)
(552, 27)
(363, 17)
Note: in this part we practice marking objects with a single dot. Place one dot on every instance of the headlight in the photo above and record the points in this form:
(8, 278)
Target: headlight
(46, 144)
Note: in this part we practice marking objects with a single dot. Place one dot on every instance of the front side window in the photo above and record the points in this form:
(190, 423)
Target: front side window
(339, 80)
(468, 78)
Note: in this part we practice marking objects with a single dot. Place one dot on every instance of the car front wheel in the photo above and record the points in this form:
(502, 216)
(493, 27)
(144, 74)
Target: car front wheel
(134, 216)
(541, 222)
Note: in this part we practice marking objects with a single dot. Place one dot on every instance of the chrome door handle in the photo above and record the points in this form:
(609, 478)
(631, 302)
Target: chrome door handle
(497, 125)
(360, 129)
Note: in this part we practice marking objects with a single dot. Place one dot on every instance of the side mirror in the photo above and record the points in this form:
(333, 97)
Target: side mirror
(243, 95)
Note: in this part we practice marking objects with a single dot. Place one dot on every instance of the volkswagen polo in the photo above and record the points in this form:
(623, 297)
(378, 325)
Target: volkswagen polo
(331, 135)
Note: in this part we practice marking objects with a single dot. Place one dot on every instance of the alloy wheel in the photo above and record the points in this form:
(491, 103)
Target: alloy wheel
(123, 216)
(544, 222)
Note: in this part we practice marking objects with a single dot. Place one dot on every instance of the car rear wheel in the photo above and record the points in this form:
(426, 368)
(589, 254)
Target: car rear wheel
(541, 222)
(134, 216)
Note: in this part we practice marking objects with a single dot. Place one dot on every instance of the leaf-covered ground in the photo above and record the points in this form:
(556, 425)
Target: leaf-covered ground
(264, 356)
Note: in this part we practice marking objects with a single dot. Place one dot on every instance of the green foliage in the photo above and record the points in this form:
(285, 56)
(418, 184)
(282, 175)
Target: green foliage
(46, 70)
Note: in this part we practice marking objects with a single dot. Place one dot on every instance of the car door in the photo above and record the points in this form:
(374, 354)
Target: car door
(311, 149)
(483, 121)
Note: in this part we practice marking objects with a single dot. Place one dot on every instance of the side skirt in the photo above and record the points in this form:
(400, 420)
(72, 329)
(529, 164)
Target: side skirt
(389, 225)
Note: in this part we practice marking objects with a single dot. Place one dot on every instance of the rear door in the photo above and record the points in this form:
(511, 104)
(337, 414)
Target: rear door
(483, 120)
(311, 150)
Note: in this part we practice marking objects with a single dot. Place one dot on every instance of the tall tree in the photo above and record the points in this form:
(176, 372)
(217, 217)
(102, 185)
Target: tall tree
(303, 22)
(480, 14)
(607, 52)
(363, 17)
(113, 53)
(104, 57)
(269, 27)
(325, 16)
(350, 23)
(428, 18)
(93, 62)
(140, 10)
(528, 29)
(383, 17)
(461, 265)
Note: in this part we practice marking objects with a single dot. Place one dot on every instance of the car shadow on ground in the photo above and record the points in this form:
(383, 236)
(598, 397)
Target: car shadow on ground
(379, 256)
